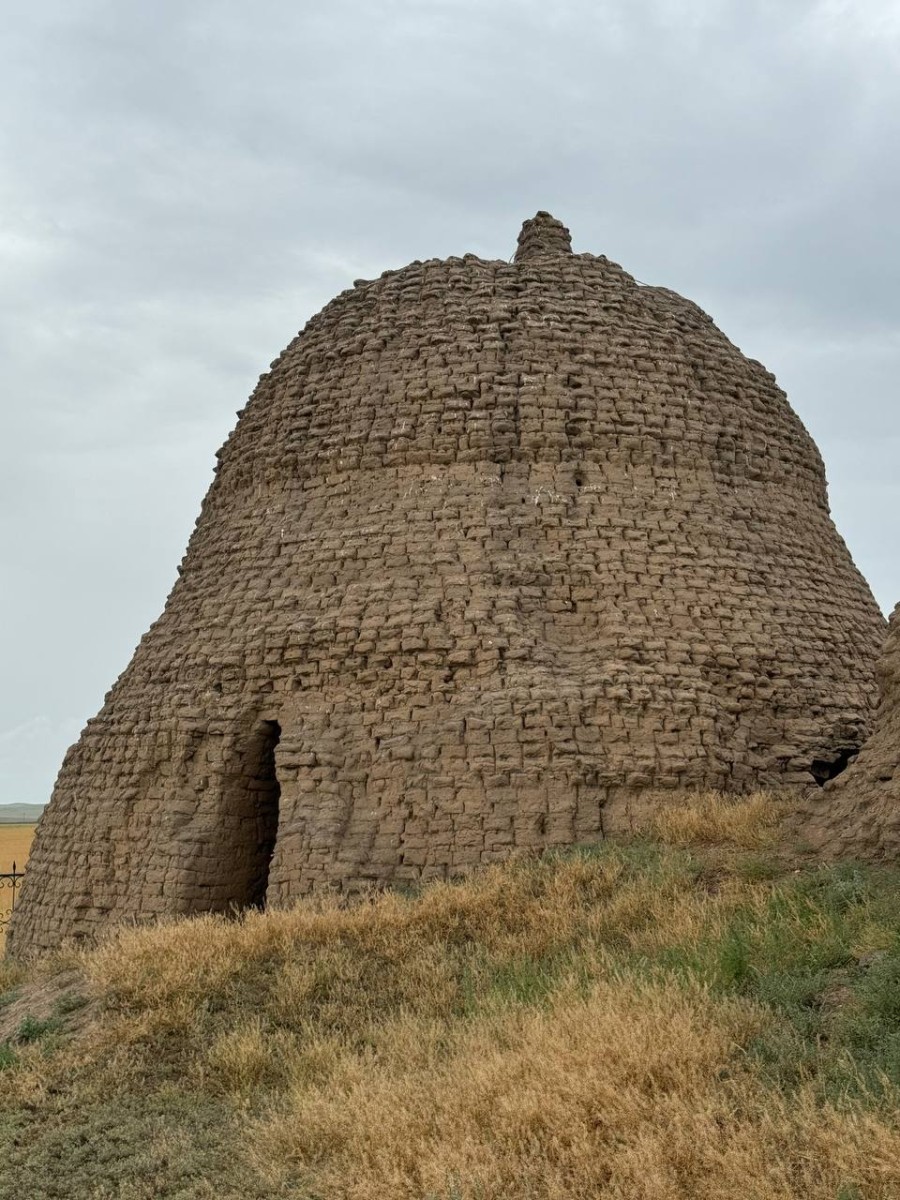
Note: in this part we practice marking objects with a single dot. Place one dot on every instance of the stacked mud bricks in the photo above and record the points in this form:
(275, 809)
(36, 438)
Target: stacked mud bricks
(498, 557)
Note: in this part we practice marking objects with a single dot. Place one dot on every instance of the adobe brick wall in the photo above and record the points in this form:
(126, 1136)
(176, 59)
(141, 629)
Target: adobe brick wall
(510, 552)
(858, 813)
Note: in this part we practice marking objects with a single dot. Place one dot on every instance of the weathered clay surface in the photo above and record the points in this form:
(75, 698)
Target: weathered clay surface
(502, 553)
(858, 813)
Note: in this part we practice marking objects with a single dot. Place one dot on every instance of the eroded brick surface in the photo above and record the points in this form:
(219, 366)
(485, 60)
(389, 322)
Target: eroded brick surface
(509, 552)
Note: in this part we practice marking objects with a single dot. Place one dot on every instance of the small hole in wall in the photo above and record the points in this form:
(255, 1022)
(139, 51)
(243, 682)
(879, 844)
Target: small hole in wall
(579, 479)
(825, 769)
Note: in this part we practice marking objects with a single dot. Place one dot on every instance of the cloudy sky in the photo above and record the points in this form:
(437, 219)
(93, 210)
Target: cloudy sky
(184, 182)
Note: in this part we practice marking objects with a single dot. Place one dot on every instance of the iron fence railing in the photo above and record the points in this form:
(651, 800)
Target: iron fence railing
(9, 880)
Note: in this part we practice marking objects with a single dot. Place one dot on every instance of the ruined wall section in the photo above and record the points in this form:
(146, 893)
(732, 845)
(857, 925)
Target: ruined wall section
(508, 552)
(857, 815)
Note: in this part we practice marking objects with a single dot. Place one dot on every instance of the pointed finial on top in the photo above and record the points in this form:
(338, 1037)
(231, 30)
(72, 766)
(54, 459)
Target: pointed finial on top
(543, 234)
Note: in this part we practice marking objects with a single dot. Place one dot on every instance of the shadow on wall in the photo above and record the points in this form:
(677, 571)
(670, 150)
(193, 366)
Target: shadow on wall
(262, 819)
(825, 769)
(229, 846)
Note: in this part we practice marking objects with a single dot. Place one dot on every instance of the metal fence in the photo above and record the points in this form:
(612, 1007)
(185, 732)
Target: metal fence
(9, 880)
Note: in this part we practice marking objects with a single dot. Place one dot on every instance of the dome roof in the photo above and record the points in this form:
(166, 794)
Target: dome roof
(499, 555)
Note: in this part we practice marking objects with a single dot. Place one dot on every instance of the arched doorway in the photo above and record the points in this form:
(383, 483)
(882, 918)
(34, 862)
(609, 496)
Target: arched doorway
(224, 845)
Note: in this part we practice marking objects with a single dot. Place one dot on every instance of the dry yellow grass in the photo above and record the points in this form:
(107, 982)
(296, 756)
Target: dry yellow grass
(748, 823)
(15, 843)
(524, 913)
(561, 1029)
(638, 1092)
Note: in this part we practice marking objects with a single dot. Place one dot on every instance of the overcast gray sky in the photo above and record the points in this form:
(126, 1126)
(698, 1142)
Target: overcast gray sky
(184, 182)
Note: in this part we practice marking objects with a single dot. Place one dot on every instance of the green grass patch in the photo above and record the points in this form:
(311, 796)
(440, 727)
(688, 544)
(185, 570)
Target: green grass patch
(33, 1030)
(803, 954)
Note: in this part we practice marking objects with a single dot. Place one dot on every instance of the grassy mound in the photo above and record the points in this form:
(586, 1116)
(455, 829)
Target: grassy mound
(686, 1017)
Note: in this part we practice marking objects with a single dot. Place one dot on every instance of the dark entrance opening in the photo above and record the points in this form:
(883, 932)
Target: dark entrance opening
(823, 769)
(262, 816)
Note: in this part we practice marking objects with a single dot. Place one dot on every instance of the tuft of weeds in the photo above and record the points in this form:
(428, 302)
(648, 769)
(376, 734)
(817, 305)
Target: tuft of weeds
(32, 1030)
(69, 1003)
(757, 868)
(11, 975)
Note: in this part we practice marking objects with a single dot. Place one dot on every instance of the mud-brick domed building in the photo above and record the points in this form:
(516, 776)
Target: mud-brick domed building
(498, 555)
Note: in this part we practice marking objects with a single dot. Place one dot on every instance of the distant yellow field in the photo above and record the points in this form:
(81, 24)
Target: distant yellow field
(15, 842)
